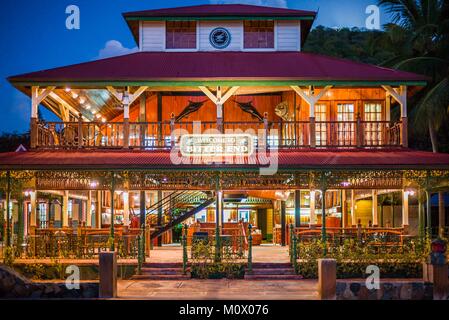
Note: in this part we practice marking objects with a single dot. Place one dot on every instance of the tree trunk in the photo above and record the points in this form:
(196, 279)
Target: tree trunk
(433, 136)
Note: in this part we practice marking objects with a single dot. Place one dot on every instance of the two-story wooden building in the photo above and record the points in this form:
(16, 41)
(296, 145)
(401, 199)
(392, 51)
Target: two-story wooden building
(219, 118)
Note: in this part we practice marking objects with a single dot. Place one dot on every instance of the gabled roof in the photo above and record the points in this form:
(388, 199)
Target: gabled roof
(239, 68)
(287, 159)
(221, 12)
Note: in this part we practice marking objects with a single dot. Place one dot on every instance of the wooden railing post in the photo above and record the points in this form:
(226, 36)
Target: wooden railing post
(126, 132)
(404, 132)
(34, 133)
(80, 130)
(312, 135)
(359, 132)
(172, 129)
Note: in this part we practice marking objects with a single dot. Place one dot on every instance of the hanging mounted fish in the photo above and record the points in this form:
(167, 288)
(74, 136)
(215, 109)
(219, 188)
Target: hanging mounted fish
(249, 108)
(283, 111)
(191, 107)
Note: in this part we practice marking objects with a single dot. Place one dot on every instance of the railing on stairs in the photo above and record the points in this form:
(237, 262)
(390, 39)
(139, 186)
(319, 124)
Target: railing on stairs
(176, 208)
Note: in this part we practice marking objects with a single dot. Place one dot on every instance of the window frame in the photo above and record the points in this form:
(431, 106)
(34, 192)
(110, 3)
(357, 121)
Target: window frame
(197, 26)
(275, 37)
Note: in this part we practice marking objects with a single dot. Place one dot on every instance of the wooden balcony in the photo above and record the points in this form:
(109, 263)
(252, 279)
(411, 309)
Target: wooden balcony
(165, 135)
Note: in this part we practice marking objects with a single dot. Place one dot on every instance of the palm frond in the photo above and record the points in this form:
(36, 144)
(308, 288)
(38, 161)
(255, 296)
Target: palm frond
(434, 106)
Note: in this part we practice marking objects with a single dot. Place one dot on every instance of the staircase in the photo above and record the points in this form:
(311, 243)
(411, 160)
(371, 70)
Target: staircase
(176, 208)
(272, 271)
(162, 271)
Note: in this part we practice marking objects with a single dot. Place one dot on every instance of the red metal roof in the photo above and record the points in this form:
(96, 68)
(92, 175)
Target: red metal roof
(234, 66)
(287, 159)
(221, 10)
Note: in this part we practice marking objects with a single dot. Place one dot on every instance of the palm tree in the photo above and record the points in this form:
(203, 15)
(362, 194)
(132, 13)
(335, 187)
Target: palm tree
(423, 28)
(426, 26)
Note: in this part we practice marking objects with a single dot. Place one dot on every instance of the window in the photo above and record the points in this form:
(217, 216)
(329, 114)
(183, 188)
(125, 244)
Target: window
(373, 128)
(258, 34)
(345, 125)
(180, 35)
(320, 126)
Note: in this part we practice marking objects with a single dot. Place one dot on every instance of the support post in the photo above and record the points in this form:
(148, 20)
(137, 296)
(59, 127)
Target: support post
(429, 213)
(218, 225)
(142, 209)
(441, 215)
(312, 135)
(327, 279)
(312, 208)
(250, 249)
(98, 210)
(374, 209)
(359, 132)
(421, 223)
(283, 225)
(65, 209)
(126, 119)
(405, 211)
(159, 217)
(108, 275)
(33, 211)
(126, 221)
(111, 229)
(89, 209)
(344, 216)
(297, 208)
(353, 217)
(323, 222)
(8, 209)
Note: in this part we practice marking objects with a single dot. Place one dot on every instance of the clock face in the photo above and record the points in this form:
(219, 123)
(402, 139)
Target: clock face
(220, 38)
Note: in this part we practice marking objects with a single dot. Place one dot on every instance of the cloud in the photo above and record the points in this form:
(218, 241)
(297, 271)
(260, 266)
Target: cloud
(114, 48)
(268, 3)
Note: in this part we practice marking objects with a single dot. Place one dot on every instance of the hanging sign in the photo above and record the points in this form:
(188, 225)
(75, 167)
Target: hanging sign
(210, 145)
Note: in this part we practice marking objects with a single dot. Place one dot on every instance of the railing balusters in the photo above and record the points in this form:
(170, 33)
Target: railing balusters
(157, 135)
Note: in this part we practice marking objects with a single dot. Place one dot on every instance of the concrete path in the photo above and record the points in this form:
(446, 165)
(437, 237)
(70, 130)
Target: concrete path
(222, 289)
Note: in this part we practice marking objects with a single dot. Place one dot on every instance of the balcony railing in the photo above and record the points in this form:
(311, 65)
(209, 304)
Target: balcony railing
(166, 134)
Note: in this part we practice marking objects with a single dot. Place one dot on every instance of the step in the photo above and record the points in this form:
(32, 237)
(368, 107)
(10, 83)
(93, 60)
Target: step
(161, 277)
(275, 271)
(273, 277)
(271, 265)
(162, 265)
(161, 271)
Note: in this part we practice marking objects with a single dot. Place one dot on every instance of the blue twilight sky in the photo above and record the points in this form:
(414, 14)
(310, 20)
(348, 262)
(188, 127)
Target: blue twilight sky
(34, 36)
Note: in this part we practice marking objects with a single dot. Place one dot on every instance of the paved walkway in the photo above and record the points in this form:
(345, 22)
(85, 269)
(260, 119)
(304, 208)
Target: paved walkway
(222, 289)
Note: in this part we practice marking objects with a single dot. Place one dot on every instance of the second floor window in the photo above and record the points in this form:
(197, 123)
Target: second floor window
(180, 35)
(258, 34)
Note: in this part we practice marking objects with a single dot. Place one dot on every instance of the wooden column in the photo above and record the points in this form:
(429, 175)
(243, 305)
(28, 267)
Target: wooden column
(429, 213)
(344, 215)
(33, 212)
(283, 224)
(159, 217)
(65, 209)
(353, 216)
(312, 208)
(297, 208)
(405, 210)
(374, 209)
(98, 210)
(126, 208)
(89, 209)
(441, 214)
